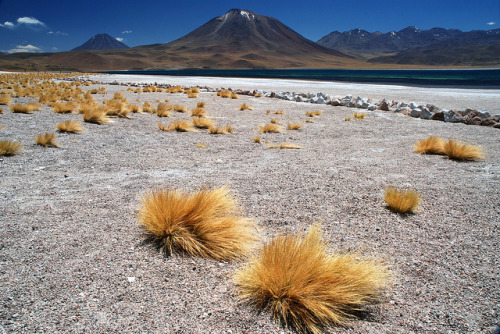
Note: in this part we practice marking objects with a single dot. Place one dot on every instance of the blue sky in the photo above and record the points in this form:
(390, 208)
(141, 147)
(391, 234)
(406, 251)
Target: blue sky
(60, 25)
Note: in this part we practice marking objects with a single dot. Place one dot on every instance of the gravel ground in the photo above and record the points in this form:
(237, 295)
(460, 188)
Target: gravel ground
(71, 252)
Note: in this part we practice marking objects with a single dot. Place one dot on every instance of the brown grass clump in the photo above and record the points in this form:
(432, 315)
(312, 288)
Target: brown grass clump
(180, 126)
(195, 90)
(198, 112)
(163, 109)
(347, 119)
(25, 108)
(270, 128)
(294, 126)
(96, 115)
(70, 127)
(135, 109)
(275, 121)
(201, 145)
(5, 100)
(309, 120)
(148, 107)
(9, 148)
(162, 127)
(217, 130)
(401, 201)
(204, 223)
(47, 140)
(258, 95)
(202, 123)
(257, 140)
(1, 111)
(359, 116)
(456, 150)
(234, 96)
(192, 95)
(431, 145)
(229, 128)
(64, 108)
(306, 288)
(200, 104)
(224, 93)
(245, 106)
(279, 112)
(180, 108)
(117, 107)
(285, 146)
(314, 113)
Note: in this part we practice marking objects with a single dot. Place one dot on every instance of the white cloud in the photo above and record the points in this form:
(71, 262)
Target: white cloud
(491, 23)
(25, 48)
(127, 32)
(57, 33)
(30, 21)
(7, 24)
(54, 48)
(119, 39)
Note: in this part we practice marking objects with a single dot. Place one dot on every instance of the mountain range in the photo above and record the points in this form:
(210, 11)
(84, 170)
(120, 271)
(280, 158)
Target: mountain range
(101, 42)
(243, 39)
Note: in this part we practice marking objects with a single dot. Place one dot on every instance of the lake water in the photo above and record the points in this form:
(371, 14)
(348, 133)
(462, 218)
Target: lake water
(476, 78)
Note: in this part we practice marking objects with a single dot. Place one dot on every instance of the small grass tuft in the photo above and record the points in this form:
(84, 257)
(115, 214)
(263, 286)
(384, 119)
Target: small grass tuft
(5, 100)
(204, 223)
(180, 126)
(180, 108)
(359, 116)
(314, 113)
(9, 148)
(270, 128)
(234, 96)
(400, 200)
(306, 288)
(198, 112)
(257, 140)
(163, 109)
(200, 104)
(70, 127)
(202, 123)
(456, 150)
(47, 140)
(285, 146)
(217, 130)
(294, 126)
(95, 115)
(431, 145)
(245, 106)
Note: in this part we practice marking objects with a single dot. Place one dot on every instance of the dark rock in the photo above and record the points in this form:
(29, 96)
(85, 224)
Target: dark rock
(438, 116)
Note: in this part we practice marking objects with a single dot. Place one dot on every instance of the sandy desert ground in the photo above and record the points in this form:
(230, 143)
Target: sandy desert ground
(71, 252)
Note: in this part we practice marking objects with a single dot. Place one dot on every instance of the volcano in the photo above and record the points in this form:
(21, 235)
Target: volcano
(102, 42)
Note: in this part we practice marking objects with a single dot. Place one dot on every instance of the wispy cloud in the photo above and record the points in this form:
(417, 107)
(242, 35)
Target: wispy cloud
(127, 32)
(57, 33)
(25, 48)
(24, 21)
(119, 39)
(491, 23)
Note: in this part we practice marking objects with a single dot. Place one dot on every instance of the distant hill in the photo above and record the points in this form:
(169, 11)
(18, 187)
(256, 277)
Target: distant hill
(101, 42)
(437, 46)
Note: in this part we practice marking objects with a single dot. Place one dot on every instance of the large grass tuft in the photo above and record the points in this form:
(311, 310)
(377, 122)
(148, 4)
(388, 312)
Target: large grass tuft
(400, 200)
(270, 128)
(47, 140)
(431, 145)
(204, 223)
(70, 127)
(456, 150)
(96, 115)
(9, 148)
(306, 288)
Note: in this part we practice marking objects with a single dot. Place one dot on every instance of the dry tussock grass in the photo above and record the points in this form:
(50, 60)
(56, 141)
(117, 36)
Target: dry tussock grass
(456, 150)
(234, 96)
(148, 107)
(257, 140)
(275, 121)
(192, 95)
(217, 130)
(201, 145)
(96, 115)
(400, 200)
(202, 123)
(279, 112)
(70, 127)
(294, 126)
(198, 112)
(136, 109)
(245, 106)
(117, 107)
(47, 140)
(25, 108)
(270, 128)
(314, 113)
(224, 93)
(9, 148)
(180, 126)
(285, 146)
(180, 108)
(5, 100)
(65, 107)
(163, 109)
(200, 104)
(204, 223)
(306, 288)
(347, 119)
(431, 145)
(359, 116)
(309, 120)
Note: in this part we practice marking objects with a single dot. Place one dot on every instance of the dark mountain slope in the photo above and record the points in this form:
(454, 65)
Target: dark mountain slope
(101, 42)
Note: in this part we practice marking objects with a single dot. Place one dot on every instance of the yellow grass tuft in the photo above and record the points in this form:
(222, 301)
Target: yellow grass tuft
(136, 109)
(258, 95)
(180, 126)
(64, 108)
(1, 111)
(270, 128)
(5, 100)
(180, 108)
(431, 145)
(217, 130)
(25, 108)
(162, 127)
(204, 223)
(46, 140)
(245, 106)
(224, 93)
(202, 123)
(195, 90)
(70, 127)
(192, 95)
(163, 109)
(198, 112)
(285, 146)
(359, 116)
(456, 150)
(275, 121)
(200, 104)
(294, 126)
(347, 119)
(201, 145)
(234, 96)
(314, 113)
(400, 200)
(148, 107)
(309, 120)
(9, 148)
(229, 128)
(95, 115)
(257, 140)
(304, 287)
(279, 112)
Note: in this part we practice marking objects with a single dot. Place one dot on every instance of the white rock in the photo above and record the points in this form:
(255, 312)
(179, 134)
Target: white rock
(320, 100)
(415, 112)
(372, 107)
(451, 117)
(483, 114)
(131, 279)
(426, 114)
